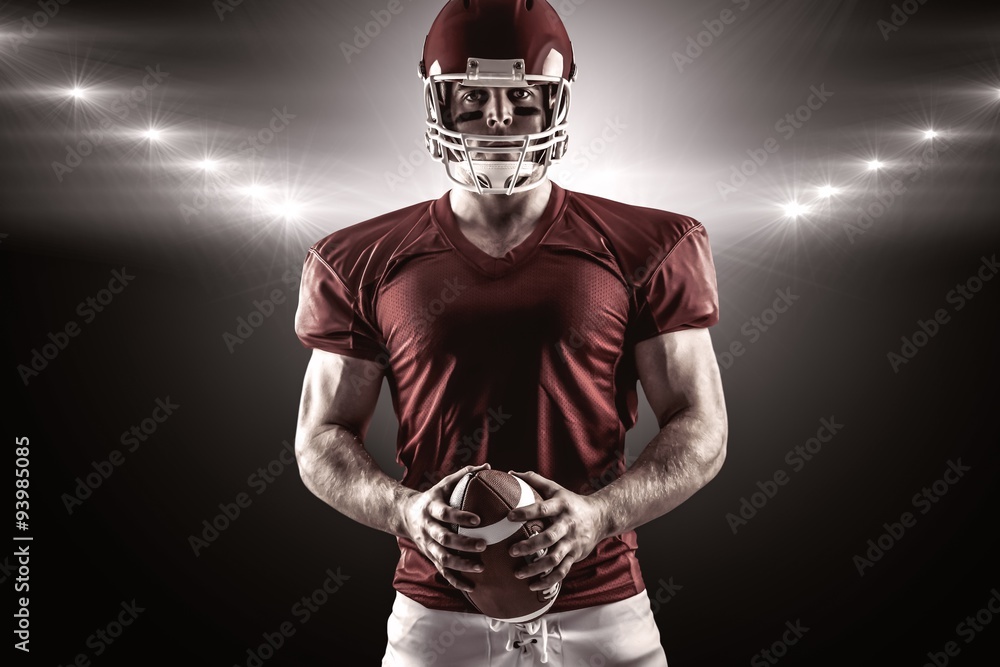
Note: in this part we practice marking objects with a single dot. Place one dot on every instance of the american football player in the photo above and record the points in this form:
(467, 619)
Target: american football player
(512, 319)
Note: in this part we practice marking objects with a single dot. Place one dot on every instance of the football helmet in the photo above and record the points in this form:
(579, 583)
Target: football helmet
(505, 44)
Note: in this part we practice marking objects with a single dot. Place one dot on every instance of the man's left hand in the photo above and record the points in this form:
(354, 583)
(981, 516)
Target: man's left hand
(576, 527)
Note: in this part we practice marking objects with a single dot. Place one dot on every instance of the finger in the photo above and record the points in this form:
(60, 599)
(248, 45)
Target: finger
(445, 558)
(452, 540)
(556, 575)
(448, 514)
(459, 582)
(539, 541)
(548, 562)
(546, 487)
(444, 486)
(545, 508)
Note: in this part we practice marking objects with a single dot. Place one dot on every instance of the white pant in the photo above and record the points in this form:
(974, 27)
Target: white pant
(619, 634)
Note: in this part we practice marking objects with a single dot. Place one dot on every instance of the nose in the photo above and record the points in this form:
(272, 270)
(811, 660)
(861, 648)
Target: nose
(499, 112)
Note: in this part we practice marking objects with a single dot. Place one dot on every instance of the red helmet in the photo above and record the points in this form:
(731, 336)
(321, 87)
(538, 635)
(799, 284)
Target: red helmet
(506, 43)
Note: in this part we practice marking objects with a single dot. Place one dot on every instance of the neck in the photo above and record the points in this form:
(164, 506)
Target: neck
(500, 212)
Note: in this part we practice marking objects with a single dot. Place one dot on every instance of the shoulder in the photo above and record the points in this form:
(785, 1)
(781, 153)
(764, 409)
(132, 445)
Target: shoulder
(641, 238)
(359, 253)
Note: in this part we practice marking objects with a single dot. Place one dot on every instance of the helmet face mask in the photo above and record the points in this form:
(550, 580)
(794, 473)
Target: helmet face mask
(497, 163)
(493, 163)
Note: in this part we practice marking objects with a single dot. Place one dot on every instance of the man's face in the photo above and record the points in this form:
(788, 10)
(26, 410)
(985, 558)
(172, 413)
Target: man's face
(498, 112)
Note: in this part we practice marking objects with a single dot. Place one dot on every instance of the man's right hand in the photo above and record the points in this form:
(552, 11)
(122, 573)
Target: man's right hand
(427, 517)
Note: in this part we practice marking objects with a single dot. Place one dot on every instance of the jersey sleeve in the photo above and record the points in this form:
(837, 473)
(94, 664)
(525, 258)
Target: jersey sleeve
(680, 292)
(329, 315)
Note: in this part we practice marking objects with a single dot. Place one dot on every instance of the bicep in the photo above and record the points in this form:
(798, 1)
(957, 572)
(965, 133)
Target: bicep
(679, 371)
(338, 391)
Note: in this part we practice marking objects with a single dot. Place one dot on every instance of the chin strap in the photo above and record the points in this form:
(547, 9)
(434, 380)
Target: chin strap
(498, 177)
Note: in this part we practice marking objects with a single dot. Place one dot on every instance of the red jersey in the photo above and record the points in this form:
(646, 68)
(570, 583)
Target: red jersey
(524, 361)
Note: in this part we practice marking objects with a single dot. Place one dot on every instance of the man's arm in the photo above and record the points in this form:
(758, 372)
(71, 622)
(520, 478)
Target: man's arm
(680, 376)
(339, 396)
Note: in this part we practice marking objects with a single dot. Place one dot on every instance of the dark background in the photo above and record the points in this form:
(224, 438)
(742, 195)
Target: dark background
(825, 358)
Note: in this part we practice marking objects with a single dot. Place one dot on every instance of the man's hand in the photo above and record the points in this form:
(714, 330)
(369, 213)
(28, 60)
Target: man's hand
(426, 517)
(577, 526)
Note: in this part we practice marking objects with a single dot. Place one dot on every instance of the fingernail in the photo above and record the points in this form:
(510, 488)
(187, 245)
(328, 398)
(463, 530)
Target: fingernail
(474, 521)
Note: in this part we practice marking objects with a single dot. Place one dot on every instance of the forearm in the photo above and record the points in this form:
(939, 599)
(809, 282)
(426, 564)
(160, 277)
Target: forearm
(336, 467)
(684, 456)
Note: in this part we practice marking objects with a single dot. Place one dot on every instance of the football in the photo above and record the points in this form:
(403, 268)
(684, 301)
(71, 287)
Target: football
(498, 594)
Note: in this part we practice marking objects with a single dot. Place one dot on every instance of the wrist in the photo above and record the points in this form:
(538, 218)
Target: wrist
(402, 497)
(605, 517)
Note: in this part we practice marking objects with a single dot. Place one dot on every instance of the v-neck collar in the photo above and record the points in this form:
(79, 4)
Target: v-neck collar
(443, 216)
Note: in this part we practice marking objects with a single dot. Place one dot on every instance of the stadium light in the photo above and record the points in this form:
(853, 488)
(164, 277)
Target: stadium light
(794, 209)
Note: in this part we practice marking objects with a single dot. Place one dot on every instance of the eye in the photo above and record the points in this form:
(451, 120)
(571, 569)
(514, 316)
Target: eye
(475, 97)
(521, 94)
